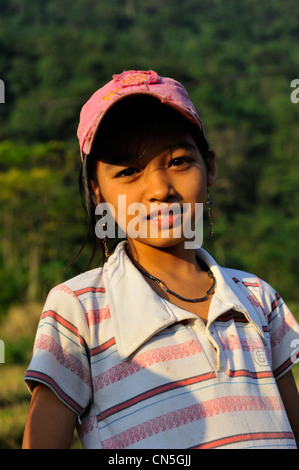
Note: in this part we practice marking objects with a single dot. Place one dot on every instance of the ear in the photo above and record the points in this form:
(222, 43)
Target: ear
(211, 173)
(96, 190)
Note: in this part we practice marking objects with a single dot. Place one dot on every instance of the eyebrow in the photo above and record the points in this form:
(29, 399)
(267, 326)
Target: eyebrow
(184, 144)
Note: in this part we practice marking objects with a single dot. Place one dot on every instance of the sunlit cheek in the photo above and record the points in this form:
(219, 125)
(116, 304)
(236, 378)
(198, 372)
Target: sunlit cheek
(196, 191)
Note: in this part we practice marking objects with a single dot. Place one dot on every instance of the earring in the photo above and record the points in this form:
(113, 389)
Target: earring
(209, 203)
(106, 251)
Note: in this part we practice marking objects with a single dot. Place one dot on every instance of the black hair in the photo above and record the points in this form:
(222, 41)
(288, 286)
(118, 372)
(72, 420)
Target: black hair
(151, 114)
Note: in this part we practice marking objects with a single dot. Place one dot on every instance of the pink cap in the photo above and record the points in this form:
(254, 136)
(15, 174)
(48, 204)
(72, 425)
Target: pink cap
(128, 83)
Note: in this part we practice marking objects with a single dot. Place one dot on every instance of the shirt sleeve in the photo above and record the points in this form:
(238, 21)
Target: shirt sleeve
(283, 330)
(60, 355)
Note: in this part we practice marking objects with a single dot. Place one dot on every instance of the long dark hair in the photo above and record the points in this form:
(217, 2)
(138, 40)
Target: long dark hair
(147, 114)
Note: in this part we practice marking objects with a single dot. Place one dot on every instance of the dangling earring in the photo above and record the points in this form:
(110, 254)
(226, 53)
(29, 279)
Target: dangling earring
(106, 251)
(209, 203)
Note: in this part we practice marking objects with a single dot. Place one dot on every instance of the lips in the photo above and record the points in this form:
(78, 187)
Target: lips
(165, 217)
(165, 213)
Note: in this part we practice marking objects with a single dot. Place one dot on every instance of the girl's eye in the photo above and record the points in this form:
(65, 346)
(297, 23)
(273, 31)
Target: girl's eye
(127, 172)
(179, 161)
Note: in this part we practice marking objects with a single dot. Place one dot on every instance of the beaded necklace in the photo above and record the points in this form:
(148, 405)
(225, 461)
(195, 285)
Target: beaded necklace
(200, 299)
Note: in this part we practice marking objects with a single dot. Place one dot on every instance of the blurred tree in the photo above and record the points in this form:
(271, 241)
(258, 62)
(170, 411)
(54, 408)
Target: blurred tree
(42, 221)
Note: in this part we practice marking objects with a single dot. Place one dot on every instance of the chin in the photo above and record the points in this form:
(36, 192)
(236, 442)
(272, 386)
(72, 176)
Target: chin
(161, 243)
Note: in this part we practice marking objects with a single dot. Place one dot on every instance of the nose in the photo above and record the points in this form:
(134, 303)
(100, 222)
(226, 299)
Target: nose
(159, 186)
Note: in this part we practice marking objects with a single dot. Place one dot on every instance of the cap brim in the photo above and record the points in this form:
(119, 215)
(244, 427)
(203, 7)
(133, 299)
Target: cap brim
(90, 138)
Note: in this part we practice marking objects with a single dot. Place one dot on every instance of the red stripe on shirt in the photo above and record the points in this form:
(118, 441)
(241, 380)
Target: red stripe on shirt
(63, 322)
(284, 367)
(189, 414)
(72, 363)
(247, 373)
(286, 325)
(154, 392)
(103, 347)
(245, 437)
(45, 379)
(89, 289)
(94, 317)
(144, 360)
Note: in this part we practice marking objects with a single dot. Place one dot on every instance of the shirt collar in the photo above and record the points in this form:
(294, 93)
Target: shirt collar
(138, 313)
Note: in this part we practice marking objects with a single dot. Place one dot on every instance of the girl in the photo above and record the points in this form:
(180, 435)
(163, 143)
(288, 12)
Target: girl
(160, 347)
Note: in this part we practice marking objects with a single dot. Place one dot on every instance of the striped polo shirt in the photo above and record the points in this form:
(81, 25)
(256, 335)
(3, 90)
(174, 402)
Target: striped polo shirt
(142, 373)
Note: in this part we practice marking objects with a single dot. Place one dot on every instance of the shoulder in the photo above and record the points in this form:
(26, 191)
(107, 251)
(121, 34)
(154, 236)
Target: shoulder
(252, 281)
(89, 281)
(78, 294)
(249, 280)
(255, 286)
(257, 291)
(267, 300)
(246, 281)
(76, 305)
(240, 276)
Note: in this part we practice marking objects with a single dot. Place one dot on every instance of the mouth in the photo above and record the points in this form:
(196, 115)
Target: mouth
(165, 217)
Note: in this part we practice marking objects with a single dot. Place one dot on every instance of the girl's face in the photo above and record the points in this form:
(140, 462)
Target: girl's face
(168, 169)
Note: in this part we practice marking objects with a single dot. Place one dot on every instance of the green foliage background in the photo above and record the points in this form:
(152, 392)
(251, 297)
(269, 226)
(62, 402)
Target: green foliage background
(236, 58)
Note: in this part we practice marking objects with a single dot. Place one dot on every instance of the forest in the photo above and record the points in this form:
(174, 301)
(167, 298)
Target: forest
(238, 59)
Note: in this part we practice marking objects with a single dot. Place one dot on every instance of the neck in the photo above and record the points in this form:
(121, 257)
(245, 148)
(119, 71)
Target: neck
(176, 261)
